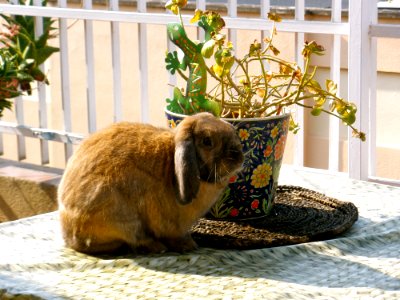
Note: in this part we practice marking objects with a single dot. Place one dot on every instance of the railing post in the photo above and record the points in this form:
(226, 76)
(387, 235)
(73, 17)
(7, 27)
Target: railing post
(65, 79)
(362, 82)
(89, 54)
(172, 79)
(265, 7)
(200, 4)
(116, 64)
(299, 138)
(143, 67)
(44, 145)
(334, 139)
(232, 12)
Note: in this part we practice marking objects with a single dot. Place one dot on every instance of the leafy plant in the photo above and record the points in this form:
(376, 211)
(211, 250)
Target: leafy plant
(238, 93)
(22, 54)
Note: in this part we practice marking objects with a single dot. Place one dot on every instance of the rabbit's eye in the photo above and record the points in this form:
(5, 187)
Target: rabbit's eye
(207, 141)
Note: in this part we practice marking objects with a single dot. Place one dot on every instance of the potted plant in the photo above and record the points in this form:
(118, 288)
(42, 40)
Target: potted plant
(255, 94)
(21, 55)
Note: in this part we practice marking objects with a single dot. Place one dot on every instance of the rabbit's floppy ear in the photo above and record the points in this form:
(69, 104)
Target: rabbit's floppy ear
(186, 165)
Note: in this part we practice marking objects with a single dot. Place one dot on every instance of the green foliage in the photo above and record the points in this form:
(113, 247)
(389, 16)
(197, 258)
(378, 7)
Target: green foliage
(22, 55)
(278, 84)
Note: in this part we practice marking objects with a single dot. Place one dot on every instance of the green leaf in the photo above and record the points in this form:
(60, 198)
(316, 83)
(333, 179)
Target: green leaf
(214, 20)
(340, 108)
(352, 107)
(319, 101)
(312, 48)
(331, 86)
(274, 50)
(293, 126)
(255, 48)
(316, 111)
(212, 107)
(42, 40)
(44, 53)
(208, 48)
(349, 118)
(313, 86)
(224, 61)
(4, 104)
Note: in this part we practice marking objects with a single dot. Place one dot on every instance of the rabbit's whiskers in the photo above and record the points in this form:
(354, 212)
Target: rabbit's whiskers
(204, 164)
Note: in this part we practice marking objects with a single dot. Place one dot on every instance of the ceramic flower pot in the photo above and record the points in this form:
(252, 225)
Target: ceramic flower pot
(250, 194)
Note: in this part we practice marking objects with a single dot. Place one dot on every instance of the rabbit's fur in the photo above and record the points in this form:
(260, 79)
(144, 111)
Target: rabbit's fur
(138, 185)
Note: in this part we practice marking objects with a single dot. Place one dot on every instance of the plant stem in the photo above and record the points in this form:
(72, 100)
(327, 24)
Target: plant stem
(236, 88)
(265, 79)
(329, 113)
(303, 78)
(222, 94)
(274, 59)
(180, 18)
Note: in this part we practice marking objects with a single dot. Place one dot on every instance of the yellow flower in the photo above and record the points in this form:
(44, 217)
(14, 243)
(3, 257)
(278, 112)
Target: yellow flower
(274, 17)
(261, 175)
(274, 132)
(175, 5)
(243, 134)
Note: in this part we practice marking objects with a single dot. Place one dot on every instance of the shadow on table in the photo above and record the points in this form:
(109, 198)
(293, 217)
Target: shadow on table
(314, 264)
(368, 259)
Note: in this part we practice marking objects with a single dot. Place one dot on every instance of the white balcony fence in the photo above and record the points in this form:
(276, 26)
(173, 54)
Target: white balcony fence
(362, 29)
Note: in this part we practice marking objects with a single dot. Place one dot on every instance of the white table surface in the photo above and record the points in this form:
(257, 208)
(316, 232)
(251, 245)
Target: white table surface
(363, 263)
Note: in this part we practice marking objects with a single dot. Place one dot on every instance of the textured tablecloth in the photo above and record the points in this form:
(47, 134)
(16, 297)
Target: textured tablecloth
(364, 263)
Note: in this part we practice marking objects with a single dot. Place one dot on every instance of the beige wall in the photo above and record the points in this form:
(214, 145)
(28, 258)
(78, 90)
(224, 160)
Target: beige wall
(388, 128)
(316, 129)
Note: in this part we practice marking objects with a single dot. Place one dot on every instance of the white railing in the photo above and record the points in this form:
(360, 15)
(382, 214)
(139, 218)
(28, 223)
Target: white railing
(362, 30)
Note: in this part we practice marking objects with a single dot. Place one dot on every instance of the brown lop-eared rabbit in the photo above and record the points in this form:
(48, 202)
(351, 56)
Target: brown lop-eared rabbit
(144, 187)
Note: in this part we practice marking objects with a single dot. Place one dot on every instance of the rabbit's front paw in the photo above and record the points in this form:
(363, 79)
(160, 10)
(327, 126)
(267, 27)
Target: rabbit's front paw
(185, 244)
(150, 246)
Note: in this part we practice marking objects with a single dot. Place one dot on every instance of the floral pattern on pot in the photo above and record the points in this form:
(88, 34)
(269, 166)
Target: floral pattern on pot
(251, 193)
